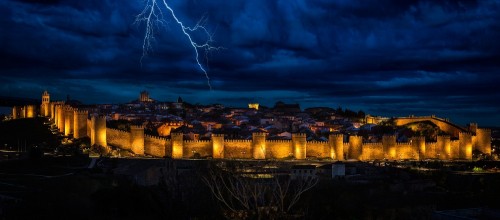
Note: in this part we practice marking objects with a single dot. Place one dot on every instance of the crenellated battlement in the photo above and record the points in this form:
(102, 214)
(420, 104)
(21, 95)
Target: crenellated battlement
(155, 137)
(299, 135)
(260, 134)
(337, 135)
(197, 141)
(217, 135)
(278, 141)
(237, 140)
(136, 127)
(116, 129)
(403, 143)
(484, 129)
(80, 112)
(317, 142)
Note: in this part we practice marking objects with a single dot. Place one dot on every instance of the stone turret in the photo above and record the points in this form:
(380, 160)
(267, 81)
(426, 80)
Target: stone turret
(68, 120)
(80, 123)
(218, 146)
(444, 147)
(483, 140)
(45, 107)
(336, 143)
(30, 111)
(465, 146)
(355, 147)
(60, 118)
(98, 131)
(418, 143)
(137, 139)
(177, 145)
(389, 146)
(299, 145)
(259, 145)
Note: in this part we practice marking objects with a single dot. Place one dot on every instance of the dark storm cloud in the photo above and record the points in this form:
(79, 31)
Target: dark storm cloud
(387, 57)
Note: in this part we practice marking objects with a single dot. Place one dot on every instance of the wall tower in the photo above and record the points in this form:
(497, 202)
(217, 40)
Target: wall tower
(336, 143)
(465, 145)
(137, 139)
(98, 131)
(218, 146)
(45, 107)
(355, 147)
(443, 147)
(80, 123)
(389, 146)
(299, 145)
(68, 120)
(177, 145)
(259, 145)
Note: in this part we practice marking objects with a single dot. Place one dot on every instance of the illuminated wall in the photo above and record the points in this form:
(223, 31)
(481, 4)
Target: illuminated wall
(431, 150)
(154, 146)
(118, 138)
(372, 151)
(201, 147)
(238, 149)
(277, 149)
(406, 151)
(318, 149)
(444, 125)
(165, 129)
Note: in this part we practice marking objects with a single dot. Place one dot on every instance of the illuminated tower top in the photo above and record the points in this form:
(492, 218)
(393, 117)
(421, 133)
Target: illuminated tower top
(253, 105)
(45, 97)
(144, 97)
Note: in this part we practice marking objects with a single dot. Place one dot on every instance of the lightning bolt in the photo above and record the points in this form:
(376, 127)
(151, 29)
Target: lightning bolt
(152, 15)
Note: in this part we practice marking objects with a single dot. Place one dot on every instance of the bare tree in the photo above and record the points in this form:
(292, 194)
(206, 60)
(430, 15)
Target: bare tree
(256, 192)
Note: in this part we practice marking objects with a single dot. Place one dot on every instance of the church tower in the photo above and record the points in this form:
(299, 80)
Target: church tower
(45, 108)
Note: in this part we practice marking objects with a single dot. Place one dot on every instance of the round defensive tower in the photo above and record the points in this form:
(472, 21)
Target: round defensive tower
(336, 143)
(299, 144)
(30, 111)
(137, 139)
(259, 145)
(218, 146)
(418, 144)
(355, 147)
(80, 123)
(177, 145)
(98, 131)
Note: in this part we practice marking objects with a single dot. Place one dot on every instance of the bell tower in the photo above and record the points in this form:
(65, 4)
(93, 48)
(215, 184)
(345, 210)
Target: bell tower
(45, 108)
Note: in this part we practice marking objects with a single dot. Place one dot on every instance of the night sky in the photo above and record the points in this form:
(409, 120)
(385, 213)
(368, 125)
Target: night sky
(390, 58)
